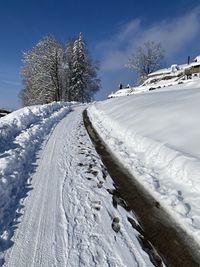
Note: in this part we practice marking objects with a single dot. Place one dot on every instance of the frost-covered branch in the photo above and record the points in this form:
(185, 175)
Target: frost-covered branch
(146, 59)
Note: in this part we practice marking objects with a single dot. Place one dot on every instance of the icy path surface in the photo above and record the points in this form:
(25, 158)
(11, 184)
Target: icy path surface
(68, 216)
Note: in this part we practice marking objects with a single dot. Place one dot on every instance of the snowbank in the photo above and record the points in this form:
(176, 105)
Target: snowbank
(21, 134)
(156, 136)
(150, 85)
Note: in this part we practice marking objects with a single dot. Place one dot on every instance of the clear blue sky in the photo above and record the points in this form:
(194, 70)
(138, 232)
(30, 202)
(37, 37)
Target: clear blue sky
(112, 29)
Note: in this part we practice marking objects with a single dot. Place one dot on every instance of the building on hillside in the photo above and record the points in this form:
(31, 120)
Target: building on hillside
(175, 71)
(193, 69)
(176, 74)
(186, 71)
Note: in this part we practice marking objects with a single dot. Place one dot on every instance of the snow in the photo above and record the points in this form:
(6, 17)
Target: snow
(21, 134)
(161, 78)
(158, 84)
(66, 216)
(161, 71)
(121, 92)
(197, 59)
(156, 137)
(173, 70)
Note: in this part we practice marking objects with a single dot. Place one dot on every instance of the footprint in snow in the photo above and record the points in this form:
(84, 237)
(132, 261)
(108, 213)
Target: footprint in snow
(100, 184)
(115, 224)
(95, 173)
(96, 205)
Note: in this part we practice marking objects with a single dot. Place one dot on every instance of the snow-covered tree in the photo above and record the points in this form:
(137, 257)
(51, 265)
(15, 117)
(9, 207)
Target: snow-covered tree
(67, 63)
(84, 81)
(42, 73)
(146, 59)
(53, 72)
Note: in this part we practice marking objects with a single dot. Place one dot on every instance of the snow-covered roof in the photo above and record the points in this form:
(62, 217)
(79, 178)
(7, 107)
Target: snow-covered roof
(183, 66)
(176, 67)
(173, 69)
(160, 72)
(197, 59)
(193, 64)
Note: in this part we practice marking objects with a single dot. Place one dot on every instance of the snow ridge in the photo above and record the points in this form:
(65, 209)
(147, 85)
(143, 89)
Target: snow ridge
(21, 135)
(158, 167)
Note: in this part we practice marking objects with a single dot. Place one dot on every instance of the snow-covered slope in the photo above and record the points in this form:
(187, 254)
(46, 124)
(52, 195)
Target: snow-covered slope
(150, 85)
(67, 217)
(156, 136)
(21, 134)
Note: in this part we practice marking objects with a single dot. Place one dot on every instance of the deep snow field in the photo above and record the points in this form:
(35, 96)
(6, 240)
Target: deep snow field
(156, 136)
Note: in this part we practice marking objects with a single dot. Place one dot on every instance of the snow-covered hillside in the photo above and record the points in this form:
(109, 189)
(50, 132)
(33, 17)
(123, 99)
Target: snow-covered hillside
(159, 85)
(156, 136)
(174, 75)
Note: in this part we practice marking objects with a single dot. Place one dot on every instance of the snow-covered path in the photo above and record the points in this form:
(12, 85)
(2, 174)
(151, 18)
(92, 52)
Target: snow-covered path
(68, 215)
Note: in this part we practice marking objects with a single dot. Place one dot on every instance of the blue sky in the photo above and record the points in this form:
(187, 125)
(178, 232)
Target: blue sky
(112, 29)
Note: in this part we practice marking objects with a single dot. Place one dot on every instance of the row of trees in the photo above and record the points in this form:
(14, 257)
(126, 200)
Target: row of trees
(146, 59)
(56, 72)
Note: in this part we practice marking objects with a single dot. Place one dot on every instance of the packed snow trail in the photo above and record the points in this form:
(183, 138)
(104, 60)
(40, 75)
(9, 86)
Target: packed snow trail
(67, 217)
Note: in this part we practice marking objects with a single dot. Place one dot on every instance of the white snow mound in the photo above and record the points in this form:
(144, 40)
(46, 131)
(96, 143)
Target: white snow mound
(21, 134)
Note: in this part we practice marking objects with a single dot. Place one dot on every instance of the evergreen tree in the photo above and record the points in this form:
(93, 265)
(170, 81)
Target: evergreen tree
(68, 73)
(84, 82)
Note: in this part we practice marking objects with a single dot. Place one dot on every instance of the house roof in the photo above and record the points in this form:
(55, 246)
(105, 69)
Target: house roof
(160, 72)
(193, 64)
(174, 68)
(197, 59)
(170, 70)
